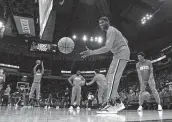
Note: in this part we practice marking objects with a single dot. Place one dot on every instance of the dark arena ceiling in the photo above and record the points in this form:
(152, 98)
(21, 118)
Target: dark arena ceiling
(81, 17)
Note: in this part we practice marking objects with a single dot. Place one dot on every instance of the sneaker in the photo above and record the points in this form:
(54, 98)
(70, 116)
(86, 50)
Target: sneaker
(159, 108)
(140, 108)
(89, 109)
(24, 106)
(57, 107)
(109, 110)
(71, 108)
(45, 107)
(105, 108)
(78, 108)
(116, 108)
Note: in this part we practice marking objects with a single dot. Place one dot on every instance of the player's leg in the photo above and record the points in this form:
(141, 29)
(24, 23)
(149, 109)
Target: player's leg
(100, 96)
(73, 97)
(32, 90)
(1, 93)
(33, 87)
(142, 89)
(78, 97)
(152, 85)
(38, 86)
(105, 90)
(114, 75)
(120, 66)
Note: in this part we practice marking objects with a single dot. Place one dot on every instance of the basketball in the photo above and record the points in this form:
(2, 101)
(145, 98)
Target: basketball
(146, 96)
(38, 62)
(66, 45)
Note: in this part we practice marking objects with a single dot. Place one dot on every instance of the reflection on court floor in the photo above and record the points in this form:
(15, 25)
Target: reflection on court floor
(11, 114)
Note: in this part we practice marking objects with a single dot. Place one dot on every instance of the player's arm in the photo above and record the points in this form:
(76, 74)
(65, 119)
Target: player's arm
(108, 45)
(42, 64)
(139, 73)
(93, 80)
(71, 79)
(83, 80)
(34, 69)
(4, 77)
(151, 71)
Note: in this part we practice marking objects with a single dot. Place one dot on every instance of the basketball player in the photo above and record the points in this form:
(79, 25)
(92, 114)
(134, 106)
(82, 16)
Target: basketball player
(49, 102)
(76, 81)
(101, 81)
(36, 82)
(2, 80)
(6, 96)
(118, 45)
(145, 74)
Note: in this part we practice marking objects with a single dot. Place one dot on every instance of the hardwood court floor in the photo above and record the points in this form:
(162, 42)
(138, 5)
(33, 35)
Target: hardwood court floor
(10, 114)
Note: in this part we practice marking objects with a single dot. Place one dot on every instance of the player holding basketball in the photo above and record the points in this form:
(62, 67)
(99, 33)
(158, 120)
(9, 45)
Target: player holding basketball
(76, 81)
(101, 81)
(145, 74)
(2, 80)
(118, 45)
(36, 82)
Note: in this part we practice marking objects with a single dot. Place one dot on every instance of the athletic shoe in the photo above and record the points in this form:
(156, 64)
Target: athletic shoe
(89, 109)
(71, 108)
(159, 108)
(116, 108)
(57, 107)
(140, 108)
(108, 110)
(105, 108)
(78, 108)
(45, 107)
(120, 106)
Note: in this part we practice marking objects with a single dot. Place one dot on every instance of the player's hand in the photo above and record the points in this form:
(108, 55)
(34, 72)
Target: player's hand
(42, 62)
(86, 53)
(86, 84)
